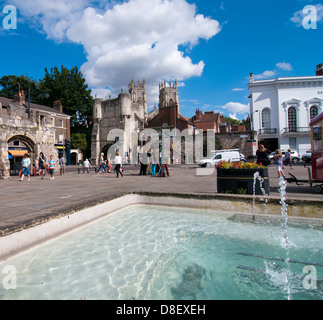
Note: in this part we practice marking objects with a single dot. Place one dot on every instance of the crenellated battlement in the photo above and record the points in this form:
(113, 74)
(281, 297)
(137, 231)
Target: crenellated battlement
(168, 94)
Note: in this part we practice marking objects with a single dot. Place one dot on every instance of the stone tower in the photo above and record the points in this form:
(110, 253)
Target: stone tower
(138, 95)
(168, 95)
(116, 120)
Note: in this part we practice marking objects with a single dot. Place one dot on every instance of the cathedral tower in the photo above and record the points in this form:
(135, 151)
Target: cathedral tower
(168, 95)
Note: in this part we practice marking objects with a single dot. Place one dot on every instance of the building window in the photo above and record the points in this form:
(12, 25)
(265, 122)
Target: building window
(266, 121)
(292, 143)
(313, 112)
(61, 139)
(61, 123)
(292, 119)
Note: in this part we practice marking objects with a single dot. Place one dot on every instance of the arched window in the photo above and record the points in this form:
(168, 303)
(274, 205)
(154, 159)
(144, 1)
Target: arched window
(313, 112)
(266, 119)
(292, 119)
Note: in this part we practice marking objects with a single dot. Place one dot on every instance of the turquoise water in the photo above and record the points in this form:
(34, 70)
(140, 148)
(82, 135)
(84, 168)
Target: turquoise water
(146, 252)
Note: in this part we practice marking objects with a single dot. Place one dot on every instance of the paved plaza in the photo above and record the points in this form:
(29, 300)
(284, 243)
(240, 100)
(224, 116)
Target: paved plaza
(24, 203)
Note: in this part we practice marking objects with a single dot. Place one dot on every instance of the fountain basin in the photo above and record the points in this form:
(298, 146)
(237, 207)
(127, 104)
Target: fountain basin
(148, 251)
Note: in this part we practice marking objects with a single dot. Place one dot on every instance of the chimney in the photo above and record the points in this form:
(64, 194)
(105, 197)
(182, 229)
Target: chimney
(319, 70)
(198, 114)
(20, 97)
(58, 106)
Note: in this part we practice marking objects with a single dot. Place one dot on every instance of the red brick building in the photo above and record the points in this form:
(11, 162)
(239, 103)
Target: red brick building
(215, 122)
(168, 116)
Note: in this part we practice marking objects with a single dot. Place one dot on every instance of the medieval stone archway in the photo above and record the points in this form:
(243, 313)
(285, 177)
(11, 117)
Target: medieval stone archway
(109, 151)
(29, 143)
(36, 128)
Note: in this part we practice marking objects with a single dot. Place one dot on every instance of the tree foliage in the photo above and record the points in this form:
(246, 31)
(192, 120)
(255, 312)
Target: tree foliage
(79, 141)
(10, 86)
(234, 121)
(63, 84)
(70, 87)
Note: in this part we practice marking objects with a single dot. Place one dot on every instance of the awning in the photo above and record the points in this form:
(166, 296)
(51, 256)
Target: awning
(17, 153)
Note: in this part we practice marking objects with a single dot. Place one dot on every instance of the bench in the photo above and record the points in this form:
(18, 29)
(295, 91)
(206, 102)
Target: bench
(85, 169)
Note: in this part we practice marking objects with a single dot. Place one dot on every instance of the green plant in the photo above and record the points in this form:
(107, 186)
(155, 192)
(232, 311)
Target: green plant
(242, 191)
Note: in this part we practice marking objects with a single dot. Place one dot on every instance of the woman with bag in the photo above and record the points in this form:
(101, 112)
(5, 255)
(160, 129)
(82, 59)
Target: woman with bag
(262, 155)
(25, 166)
(118, 163)
(102, 164)
(42, 164)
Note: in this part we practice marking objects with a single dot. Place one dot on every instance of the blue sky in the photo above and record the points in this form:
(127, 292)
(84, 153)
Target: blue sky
(209, 46)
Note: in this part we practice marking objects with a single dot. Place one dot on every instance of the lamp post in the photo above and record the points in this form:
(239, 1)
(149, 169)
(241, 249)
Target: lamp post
(251, 144)
(251, 124)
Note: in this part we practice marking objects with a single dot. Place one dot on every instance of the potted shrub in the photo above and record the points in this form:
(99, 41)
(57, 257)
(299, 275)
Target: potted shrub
(235, 176)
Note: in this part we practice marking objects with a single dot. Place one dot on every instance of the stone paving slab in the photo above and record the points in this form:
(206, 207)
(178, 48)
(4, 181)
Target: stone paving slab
(23, 204)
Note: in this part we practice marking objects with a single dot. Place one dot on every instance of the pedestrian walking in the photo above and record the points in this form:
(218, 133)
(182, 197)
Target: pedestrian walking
(262, 155)
(108, 166)
(288, 159)
(51, 167)
(278, 157)
(36, 168)
(118, 163)
(102, 164)
(25, 165)
(143, 159)
(61, 162)
(42, 164)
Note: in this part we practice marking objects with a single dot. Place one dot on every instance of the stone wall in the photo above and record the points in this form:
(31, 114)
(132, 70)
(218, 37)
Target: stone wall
(118, 119)
(232, 140)
(35, 134)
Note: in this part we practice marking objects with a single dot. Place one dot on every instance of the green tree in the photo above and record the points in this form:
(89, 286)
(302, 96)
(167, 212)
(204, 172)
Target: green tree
(233, 121)
(79, 141)
(10, 86)
(70, 87)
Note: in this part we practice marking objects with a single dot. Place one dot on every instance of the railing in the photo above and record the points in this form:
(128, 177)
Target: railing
(268, 131)
(297, 130)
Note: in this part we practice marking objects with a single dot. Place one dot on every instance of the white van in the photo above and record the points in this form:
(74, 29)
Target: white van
(220, 155)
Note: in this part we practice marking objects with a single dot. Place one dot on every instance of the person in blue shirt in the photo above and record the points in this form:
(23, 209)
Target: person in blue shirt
(25, 166)
(278, 157)
(288, 159)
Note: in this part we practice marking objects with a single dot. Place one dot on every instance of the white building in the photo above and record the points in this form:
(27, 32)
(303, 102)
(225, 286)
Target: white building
(281, 110)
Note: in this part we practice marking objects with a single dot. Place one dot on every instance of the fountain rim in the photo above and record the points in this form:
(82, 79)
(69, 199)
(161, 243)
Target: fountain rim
(90, 203)
(34, 233)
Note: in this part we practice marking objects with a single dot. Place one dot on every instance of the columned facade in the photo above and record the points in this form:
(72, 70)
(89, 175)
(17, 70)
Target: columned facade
(282, 109)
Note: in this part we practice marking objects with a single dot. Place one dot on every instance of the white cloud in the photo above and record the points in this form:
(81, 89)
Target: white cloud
(265, 75)
(238, 89)
(235, 108)
(233, 116)
(298, 16)
(272, 73)
(101, 93)
(284, 66)
(135, 38)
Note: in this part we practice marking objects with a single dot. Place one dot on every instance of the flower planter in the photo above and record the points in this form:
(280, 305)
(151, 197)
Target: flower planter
(241, 181)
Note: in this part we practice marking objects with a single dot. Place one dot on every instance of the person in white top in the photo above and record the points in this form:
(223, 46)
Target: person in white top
(86, 165)
(118, 163)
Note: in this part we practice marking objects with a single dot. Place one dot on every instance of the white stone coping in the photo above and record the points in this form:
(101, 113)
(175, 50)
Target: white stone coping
(23, 240)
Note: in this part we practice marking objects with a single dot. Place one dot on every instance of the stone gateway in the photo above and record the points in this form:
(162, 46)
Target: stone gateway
(119, 120)
(38, 128)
